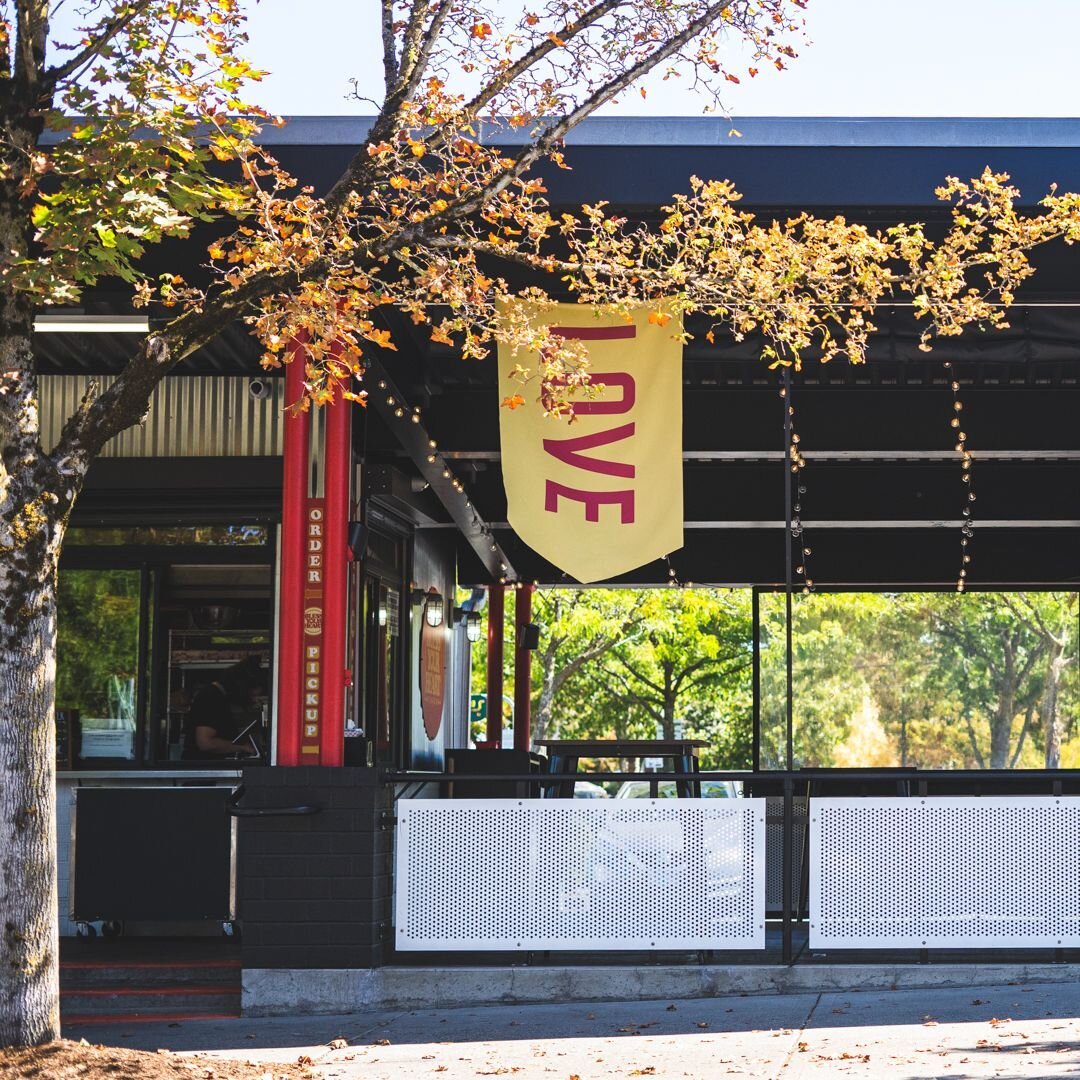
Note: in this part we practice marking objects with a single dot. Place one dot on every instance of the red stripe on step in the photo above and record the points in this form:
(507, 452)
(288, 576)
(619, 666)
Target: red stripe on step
(141, 1018)
(155, 991)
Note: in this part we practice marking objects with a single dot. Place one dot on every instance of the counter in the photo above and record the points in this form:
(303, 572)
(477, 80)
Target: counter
(70, 780)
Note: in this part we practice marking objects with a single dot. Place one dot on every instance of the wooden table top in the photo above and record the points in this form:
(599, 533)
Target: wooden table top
(623, 747)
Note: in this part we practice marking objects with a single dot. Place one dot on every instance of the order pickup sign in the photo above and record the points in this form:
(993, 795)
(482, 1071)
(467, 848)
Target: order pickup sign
(602, 495)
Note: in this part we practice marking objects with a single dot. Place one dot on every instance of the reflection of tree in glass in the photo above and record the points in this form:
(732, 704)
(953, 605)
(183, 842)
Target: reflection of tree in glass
(97, 636)
(169, 535)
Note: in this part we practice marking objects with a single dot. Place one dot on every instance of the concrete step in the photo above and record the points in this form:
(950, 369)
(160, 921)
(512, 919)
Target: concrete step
(189, 1000)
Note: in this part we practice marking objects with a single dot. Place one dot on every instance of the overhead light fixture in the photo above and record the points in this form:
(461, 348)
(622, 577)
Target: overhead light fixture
(382, 614)
(91, 324)
(472, 626)
(433, 609)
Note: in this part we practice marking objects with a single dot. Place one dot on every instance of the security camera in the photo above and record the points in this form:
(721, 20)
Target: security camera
(259, 388)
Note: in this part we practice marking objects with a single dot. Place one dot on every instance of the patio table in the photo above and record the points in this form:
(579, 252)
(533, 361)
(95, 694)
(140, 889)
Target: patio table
(564, 754)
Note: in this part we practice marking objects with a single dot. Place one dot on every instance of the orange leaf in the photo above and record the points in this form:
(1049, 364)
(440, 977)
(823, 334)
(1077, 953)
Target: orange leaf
(481, 30)
(658, 318)
(514, 402)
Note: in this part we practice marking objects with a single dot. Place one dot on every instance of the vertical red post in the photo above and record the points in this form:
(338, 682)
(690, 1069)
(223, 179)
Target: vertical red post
(495, 665)
(294, 492)
(338, 466)
(522, 672)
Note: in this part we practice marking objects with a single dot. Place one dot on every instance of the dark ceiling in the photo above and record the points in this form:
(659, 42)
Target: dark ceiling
(881, 512)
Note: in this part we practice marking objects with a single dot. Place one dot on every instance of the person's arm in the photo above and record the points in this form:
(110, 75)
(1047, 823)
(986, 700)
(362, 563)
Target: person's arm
(209, 742)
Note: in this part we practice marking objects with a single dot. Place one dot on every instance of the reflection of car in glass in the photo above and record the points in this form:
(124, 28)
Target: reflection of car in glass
(710, 789)
(583, 789)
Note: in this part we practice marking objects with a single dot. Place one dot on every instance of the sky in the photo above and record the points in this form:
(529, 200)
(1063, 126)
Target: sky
(864, 58)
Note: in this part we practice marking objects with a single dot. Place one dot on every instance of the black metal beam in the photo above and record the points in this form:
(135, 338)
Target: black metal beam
(407, 424)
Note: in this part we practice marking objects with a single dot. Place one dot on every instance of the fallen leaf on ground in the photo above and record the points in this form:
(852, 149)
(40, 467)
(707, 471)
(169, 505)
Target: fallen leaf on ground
(996, 1022)
(338, 1043)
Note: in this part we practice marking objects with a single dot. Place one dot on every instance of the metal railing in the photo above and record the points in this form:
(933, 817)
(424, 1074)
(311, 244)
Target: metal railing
(789, 786)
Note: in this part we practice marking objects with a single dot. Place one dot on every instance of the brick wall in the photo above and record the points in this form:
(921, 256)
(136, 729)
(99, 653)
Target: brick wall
(314, 891)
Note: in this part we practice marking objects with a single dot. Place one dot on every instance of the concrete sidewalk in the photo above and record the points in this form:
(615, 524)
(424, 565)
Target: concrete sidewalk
(1003, 1032)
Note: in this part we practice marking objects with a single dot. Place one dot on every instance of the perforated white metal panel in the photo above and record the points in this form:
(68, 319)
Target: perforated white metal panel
(485, 874)
(941, 873)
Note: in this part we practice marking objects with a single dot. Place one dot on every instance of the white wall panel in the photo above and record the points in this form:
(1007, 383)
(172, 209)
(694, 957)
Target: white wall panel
(500, 874)
(945, 873)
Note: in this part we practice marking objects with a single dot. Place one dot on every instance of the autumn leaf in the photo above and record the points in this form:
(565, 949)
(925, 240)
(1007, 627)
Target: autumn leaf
(659, 318)
(513, 402)
(481, 30)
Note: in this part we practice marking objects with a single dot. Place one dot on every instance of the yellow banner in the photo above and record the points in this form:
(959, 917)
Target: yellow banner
(604, 494)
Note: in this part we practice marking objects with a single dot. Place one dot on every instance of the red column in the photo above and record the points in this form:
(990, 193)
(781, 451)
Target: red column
(338, 459)
(294, 491)
(495, 665)
(522, 672)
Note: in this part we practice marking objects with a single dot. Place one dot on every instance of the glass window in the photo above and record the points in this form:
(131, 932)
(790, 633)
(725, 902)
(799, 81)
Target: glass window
(983, 680)
(97, 655)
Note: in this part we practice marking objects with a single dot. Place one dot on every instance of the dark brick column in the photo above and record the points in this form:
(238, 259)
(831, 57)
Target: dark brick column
(314, 891)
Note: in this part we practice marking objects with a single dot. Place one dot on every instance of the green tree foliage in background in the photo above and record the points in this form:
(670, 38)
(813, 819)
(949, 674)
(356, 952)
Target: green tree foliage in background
(928, 680)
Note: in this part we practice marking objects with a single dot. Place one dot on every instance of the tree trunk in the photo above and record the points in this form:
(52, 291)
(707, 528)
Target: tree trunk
(541, 713)
(29, 983)
(668, 705)
(1001, 722)
(36, 496)
(1051, 714)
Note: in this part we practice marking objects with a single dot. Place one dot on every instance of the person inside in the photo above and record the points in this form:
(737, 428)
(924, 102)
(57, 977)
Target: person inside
(211, 728)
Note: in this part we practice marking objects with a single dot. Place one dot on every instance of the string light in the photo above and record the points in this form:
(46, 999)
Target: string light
(966, 478)
(797, 464)
(673, 576)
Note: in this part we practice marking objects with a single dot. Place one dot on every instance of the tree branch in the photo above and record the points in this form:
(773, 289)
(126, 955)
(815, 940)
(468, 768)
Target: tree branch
(974, 744)
(546, 141)
(637, 675)
(634, 698)
(390, 62)
(1023, 735)
(108, 31)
